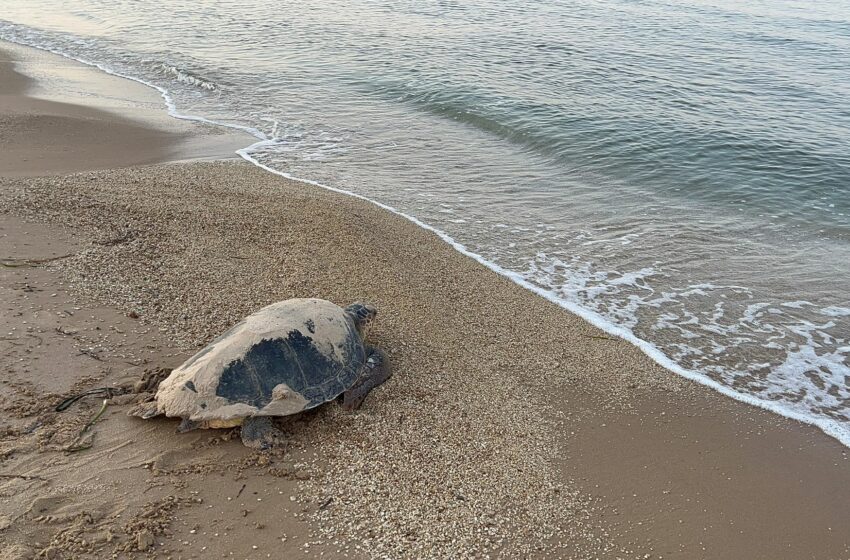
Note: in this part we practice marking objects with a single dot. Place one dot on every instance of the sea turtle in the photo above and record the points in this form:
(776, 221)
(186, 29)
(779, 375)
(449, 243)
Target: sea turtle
(290, 356)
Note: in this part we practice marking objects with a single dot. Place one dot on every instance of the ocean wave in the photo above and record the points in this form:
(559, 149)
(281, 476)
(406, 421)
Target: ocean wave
(181, 75)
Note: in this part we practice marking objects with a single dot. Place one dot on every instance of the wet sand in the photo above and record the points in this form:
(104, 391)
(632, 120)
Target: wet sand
(511, 428)
(46, 128)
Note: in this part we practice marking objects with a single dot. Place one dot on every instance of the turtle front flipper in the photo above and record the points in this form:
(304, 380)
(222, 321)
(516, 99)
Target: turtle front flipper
(375, 372)
(259, 432)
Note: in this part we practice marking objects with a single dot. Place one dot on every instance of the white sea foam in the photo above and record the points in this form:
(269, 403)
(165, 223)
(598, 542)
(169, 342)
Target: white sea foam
(797, 304)
(582, 286)
(184, 76)
(835, 311)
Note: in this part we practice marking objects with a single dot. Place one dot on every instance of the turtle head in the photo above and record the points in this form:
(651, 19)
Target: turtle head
(362, 314)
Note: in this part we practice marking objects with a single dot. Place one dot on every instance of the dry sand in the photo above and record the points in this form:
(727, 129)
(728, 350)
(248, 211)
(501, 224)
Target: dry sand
(511, 428)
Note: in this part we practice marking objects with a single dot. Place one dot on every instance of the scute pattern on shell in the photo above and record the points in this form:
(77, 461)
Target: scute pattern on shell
(287, 357)
(292, 360)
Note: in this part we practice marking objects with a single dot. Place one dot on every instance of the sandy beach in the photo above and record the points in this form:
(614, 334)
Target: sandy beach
(511, 428)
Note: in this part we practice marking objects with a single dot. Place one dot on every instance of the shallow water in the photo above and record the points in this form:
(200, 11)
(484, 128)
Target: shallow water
(678, 171)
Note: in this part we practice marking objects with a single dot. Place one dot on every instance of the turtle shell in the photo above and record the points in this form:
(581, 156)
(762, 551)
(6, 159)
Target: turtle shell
(285, 358)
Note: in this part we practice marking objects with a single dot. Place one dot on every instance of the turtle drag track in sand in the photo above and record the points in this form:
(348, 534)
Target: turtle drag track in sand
(137, 484)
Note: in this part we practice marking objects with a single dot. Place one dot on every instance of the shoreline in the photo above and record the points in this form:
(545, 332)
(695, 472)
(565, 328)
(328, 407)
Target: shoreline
(579, 383)
(118, 126)
(831, 428)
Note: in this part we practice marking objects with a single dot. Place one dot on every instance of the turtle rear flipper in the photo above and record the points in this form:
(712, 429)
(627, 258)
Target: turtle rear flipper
(150, 380)
(259, 432)
(146, 409)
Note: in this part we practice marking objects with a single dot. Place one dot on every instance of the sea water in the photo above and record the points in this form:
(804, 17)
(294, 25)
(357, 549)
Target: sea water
(676, 172)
